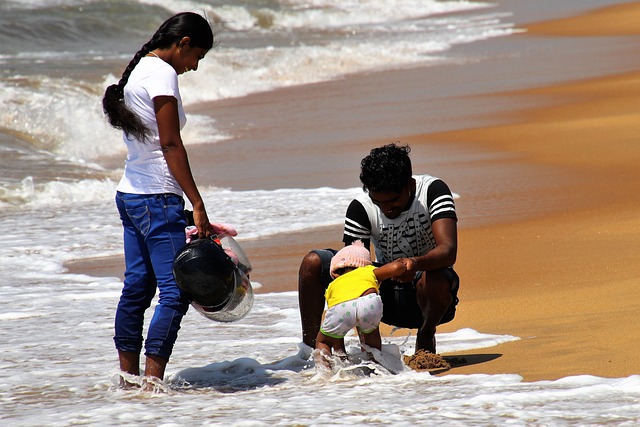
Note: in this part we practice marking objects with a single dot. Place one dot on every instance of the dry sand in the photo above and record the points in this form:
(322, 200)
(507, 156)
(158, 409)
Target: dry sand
(565, 278)
(567, 283)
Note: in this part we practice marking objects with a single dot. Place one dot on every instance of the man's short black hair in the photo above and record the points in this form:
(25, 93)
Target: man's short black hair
(386, 169)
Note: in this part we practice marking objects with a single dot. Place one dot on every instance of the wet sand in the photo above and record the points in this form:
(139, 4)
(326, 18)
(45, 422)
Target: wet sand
(547, 169)
(565, 283)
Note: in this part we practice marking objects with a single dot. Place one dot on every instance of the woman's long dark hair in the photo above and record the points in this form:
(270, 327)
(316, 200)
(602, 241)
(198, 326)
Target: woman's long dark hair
(186, 24)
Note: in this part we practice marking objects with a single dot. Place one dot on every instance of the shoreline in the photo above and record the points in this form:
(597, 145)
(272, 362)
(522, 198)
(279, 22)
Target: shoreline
(559, 270)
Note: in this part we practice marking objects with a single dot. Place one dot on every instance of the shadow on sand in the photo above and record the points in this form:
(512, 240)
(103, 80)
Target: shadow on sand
(467, 360)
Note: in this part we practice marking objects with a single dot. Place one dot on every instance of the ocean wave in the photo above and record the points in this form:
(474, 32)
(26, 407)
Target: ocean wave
(53, 90)
(28, 194)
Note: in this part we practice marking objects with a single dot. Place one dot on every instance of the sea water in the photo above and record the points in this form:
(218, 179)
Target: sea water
(57, 361)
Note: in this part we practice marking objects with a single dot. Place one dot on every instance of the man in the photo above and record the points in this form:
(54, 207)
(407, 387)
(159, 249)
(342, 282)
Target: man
(407, 218)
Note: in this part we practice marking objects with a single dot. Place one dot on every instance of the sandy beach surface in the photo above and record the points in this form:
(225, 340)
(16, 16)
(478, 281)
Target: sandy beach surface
(546, 166)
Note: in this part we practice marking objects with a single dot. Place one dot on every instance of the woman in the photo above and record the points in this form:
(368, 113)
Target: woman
(146, 106)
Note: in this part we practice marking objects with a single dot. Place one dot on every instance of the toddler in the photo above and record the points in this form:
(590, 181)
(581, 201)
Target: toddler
(353, 300)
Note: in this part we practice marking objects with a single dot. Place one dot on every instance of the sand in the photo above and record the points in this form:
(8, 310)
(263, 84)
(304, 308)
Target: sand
(559, 269)
(565, 283)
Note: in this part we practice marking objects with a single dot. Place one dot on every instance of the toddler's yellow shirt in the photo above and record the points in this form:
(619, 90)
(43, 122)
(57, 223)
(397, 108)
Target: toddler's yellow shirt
(351, 285)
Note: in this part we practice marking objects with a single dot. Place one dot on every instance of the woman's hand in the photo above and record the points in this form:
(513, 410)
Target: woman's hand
(201, 221)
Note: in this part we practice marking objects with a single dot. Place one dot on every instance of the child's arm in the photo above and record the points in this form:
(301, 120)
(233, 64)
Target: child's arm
(390, 270)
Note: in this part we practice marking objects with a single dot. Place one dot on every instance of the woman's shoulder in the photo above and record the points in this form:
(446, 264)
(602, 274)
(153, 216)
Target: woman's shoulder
(150, 68)
(156, 77)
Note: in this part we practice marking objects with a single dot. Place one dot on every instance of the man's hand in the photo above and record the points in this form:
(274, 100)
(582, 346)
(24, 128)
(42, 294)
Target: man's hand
(411, 267)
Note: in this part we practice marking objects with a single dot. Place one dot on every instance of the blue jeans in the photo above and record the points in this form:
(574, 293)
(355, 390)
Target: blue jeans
(153, 234)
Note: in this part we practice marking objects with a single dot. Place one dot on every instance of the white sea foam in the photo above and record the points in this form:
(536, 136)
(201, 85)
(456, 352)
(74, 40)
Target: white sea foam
(60, 115)
(58, 364)
(71, 213)
(322, 14)
(256, 372)
(231, 72)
